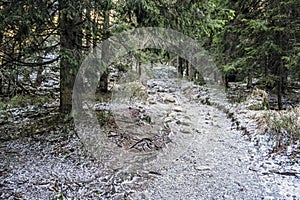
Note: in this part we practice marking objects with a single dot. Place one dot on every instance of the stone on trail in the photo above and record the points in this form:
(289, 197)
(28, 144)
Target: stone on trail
(202, 168)
(178, 109)
(171, 90)
(169, 99)
(151, 101)
(168, 119)
(185, 131)
(183, 122)
(151, 91)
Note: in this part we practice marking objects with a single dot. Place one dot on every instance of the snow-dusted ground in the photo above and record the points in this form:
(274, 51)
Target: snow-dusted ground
(217, 161)
(190, 150)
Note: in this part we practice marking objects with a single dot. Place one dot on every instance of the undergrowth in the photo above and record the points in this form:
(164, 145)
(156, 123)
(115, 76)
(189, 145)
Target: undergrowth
(284, 126)
(23, 100)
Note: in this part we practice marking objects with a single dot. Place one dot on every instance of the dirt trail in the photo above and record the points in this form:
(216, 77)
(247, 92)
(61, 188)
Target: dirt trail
(210, 159)
(213, 161)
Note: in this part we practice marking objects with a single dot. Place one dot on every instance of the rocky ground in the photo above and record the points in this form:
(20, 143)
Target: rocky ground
(169, 139)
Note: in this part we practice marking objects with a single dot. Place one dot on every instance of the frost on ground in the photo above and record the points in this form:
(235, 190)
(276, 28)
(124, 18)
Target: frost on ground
(218, 162)
(178, 143)
(56, 167)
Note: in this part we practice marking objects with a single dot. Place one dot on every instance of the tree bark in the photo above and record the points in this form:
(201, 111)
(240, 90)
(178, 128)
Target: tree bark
(103, 85)
(180, 66)
(70, 50)
(279, 86)
(39, 77)
(249, 80)
(226, 81)
(186, 63)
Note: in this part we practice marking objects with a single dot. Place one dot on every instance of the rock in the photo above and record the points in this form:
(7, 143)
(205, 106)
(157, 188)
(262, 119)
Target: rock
(155, 87)
(183, 122)
(196, 96)
(161, 89)
(173, 115)
(169, 99)
(178, 109)
(171, 90)
(146, 118)
(186, 86)
(151, 101)
(202, 168)
(185, 131)
(168, 119)
(151, 91)
(205, 100)
(151, 85)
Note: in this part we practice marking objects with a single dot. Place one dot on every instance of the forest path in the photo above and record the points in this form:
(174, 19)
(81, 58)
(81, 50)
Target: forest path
(190, 150)
(210, 158)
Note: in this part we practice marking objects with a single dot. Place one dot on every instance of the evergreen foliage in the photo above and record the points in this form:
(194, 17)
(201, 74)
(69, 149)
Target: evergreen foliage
(249, 39)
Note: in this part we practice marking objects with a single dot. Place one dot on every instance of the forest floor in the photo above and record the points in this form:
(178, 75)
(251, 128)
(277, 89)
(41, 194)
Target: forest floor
(172, 140)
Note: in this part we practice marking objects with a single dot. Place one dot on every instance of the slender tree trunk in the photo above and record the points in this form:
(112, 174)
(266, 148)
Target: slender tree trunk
(70, 50)
(180, 66)
(280, 75)
(1, 84)
(192, 73)
(249, 80)
(266, 71)
(1, 64)
(39, 77)
(284, 80)
(139, 68)
(279, 87)
(226, 81)
(103, 85)
(186, 63)
(88, 29)
(95, 31)
(39, 73)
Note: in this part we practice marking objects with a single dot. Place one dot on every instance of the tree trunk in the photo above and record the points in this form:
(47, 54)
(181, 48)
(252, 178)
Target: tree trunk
(249, 80)
(226, 81)
(70, 50)
(284, 80)
(192, 72)
(180, 66)
(88, 29)
(186, 63)
(279, 86)
(103, 86)
(39, 77)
